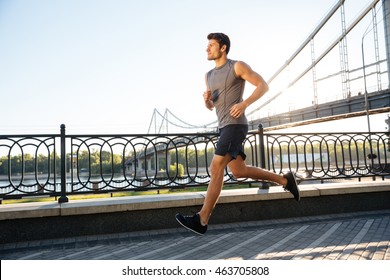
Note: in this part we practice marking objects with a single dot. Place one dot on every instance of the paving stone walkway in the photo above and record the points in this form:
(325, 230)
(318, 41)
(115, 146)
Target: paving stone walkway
(352, 236)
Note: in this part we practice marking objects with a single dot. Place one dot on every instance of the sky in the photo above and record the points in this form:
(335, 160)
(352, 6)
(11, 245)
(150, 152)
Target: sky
(101, 66)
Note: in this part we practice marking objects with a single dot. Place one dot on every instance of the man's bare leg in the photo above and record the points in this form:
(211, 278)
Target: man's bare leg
(240, 170)
(198, 223)
(214, 189)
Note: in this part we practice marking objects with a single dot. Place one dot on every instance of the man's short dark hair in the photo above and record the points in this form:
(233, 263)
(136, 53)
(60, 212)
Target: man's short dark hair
(222, 39)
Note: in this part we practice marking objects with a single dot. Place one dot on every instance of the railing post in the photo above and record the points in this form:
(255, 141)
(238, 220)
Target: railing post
(263, 185)
(261, 146)
(63, 197)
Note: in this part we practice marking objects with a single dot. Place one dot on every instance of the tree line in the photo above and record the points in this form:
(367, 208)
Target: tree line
(97, 162)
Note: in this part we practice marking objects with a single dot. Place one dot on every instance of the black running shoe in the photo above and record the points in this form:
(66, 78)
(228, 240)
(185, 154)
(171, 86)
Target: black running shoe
(292, 185)
(192, 223)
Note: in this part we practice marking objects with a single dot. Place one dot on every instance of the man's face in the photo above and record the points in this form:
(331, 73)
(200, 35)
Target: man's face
(213, 50)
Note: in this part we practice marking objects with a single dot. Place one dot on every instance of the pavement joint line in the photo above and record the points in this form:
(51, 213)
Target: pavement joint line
(32, 255)
(161, 249)
(200, 247)
(387, 253)
(119, 251)
(262, 254)
(317, 242)
(232, 249)
(348, 250)
(81, 252)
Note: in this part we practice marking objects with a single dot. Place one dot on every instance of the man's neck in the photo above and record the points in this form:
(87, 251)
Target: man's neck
(220, 61)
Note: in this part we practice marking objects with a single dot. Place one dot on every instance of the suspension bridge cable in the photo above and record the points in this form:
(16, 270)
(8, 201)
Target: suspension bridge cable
(330, 14)
(180, 123)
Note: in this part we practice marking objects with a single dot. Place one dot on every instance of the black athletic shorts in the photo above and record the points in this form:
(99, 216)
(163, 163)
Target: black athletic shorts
(231, 138)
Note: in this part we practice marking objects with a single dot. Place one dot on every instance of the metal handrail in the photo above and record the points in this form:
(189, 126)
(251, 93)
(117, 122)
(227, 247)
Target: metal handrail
(60, 164)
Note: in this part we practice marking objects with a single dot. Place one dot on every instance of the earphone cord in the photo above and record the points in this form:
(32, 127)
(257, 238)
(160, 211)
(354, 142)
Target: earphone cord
(227, 76)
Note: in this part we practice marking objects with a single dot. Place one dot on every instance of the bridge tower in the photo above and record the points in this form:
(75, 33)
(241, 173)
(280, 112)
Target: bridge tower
(386, 21)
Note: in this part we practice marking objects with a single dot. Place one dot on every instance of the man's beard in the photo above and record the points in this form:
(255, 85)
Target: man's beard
(214, 57)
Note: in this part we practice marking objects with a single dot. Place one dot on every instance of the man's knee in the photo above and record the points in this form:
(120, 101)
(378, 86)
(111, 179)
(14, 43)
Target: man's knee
(216, 168)
(218, 164)
(239, 173)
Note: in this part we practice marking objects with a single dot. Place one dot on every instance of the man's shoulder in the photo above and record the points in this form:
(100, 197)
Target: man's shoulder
(208, 73)
(240, 63)
(241, 67)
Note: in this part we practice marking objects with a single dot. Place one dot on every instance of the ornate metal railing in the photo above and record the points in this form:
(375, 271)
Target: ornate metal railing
(60, 164)
(29, 165)
(321, 156)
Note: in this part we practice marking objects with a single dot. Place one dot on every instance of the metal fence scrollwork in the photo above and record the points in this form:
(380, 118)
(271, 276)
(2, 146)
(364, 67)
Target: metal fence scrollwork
(330, 155)
(59, 164)
(28, 165)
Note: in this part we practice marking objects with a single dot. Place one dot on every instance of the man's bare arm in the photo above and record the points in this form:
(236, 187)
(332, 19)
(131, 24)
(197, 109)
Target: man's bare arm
(207, 97)
(245, 72)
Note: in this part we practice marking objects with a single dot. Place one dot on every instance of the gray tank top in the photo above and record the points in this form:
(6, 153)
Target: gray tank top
(226, 89)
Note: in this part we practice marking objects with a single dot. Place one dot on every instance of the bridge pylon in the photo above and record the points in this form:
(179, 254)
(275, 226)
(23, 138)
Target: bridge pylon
(386, 23)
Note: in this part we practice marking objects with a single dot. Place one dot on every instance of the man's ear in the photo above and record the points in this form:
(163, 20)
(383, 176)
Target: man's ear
(223, 48)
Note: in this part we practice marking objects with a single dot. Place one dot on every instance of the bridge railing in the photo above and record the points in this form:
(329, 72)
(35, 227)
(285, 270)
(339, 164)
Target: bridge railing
(60, 164)
(321, 156)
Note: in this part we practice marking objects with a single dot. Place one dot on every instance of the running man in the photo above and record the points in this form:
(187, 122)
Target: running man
(224, 92)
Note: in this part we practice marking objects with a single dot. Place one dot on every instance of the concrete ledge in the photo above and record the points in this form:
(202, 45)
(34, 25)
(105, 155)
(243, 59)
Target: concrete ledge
(36, 221)
(155, 202)
(350, 188)
(29, 210)
(134, 203)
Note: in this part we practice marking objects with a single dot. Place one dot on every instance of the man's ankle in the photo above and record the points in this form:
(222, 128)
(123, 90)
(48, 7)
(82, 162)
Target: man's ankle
(201, 220)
